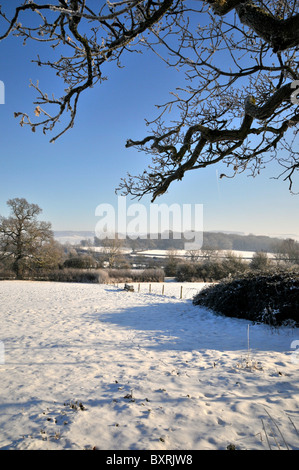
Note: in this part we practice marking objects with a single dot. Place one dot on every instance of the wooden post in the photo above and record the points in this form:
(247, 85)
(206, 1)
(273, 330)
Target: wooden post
(138, 287)
(150, 288)
(163, 289)
(181, 296)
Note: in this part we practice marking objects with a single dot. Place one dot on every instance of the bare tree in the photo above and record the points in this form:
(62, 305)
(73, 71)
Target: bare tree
(210, 253)
(87, 39)
(49, 255)
(22, 236)
(239, 107)
(260, 261)
(113, 250)
(194, 255)
(288, 251)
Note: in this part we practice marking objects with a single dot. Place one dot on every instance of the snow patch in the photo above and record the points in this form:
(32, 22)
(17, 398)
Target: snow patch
(93, 366)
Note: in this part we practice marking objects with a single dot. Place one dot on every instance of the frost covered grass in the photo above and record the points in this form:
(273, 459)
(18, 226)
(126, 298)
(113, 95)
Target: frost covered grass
(93, 366)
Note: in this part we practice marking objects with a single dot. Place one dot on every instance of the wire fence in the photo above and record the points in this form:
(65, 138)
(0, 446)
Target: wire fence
(171, 289)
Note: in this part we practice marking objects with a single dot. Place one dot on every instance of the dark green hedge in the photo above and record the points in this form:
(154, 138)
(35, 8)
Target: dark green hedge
(267, 298)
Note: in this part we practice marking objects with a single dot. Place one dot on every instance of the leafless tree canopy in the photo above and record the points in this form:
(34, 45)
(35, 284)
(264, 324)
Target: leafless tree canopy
(239, 105)
(23, 237)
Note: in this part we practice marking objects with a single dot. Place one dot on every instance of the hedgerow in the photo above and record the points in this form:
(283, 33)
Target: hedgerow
(271, 298)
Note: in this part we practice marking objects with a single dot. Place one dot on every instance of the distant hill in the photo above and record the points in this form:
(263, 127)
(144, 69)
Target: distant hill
(232, 241)
(73, 237)
(216, 240)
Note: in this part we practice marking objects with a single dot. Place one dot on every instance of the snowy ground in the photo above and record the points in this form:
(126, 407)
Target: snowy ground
(87, 366)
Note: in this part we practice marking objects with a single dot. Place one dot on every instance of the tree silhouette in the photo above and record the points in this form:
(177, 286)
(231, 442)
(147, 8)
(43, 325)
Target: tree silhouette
(239, 107)
(22, 236)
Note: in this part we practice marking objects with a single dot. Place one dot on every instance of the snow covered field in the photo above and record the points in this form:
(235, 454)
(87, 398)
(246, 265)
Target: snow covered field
(87, 366)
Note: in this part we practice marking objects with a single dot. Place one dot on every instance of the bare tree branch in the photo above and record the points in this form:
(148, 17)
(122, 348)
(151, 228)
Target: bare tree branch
(238, 57)
(83, 69)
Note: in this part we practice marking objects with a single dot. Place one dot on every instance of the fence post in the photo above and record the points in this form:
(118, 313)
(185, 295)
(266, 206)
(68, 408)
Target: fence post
(181, 295)
(163, 289)
(150, 288)
(138, 287)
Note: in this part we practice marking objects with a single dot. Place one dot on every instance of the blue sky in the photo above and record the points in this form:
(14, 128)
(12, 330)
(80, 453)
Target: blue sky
(70, 178)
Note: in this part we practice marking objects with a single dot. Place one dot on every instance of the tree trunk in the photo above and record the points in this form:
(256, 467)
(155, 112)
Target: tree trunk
(17, 268)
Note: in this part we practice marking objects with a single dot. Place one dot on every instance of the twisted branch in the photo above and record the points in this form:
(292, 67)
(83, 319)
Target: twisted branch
(281, 34)
(208, 136)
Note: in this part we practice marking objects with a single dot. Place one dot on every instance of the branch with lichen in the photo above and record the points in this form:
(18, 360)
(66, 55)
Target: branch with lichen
(280, 33)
